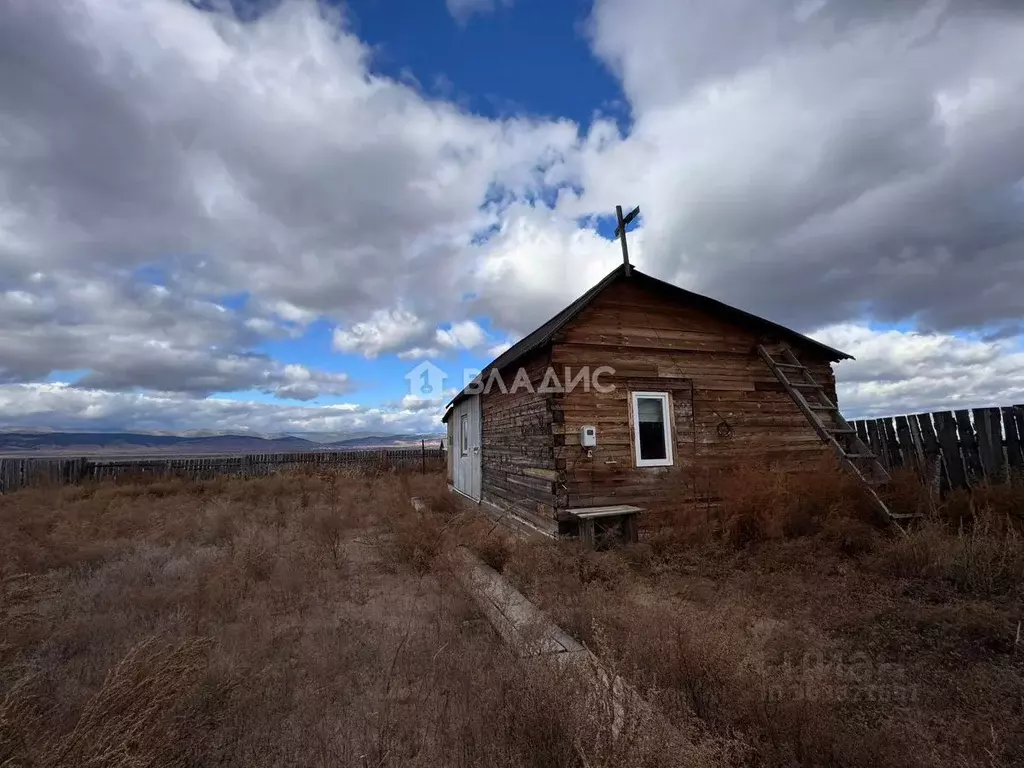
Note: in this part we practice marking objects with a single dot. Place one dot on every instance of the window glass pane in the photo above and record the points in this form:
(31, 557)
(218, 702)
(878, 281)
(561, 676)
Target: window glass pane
(650, 409)
(465, 434)
(651, 426)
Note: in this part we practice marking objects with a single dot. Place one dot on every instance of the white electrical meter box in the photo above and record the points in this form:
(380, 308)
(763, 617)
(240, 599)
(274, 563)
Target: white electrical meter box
(588, 437)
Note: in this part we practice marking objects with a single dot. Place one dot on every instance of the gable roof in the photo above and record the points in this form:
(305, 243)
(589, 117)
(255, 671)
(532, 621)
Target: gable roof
(544, 334)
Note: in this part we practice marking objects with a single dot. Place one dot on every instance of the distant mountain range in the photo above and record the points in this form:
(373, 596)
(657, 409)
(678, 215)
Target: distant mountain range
(135, 442)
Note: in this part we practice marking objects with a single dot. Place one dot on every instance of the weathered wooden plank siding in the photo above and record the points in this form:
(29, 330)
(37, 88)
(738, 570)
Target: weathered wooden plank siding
(17, 473)
(971, 446)
(727, 406)
(517, 449)
(905, 440)
(1014, 438)
(609, 477)
(450, 465)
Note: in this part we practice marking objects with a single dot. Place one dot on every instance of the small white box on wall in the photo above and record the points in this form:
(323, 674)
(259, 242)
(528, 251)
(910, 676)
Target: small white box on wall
(588, 437)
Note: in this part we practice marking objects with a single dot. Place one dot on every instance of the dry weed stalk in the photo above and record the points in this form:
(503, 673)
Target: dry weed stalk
(129, 722)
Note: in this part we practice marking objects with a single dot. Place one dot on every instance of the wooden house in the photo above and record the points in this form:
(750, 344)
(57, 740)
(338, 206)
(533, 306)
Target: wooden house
(678, 386)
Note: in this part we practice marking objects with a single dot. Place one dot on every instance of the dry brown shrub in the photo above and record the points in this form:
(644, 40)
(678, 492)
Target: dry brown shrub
(418, 539)
(908, 494)
(220, 525)
(328, 530)
(755, 499)
(987, 559)
(971, 539)
(18, 717)
(743, 683)
(533, 564)
(131, 720)
(255, 553)
(494, 550)
(643, 558)
(1001, 504)
(139, 716)
(604, 568)
(762, 501)
(850, 536)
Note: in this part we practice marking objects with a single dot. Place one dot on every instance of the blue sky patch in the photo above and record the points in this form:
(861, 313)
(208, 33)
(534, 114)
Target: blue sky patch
(531, 58)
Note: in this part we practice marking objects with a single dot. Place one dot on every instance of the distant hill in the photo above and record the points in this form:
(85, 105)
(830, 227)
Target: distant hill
(386, 441)
(86, 443)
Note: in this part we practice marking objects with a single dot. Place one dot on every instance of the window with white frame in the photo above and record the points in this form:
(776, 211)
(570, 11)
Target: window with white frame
(652, 430)
(464, 431)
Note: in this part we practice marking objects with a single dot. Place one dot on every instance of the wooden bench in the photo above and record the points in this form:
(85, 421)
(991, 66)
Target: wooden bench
(601, 527)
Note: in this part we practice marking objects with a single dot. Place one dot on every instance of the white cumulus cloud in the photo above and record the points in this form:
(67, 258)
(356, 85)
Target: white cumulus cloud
(179, 186)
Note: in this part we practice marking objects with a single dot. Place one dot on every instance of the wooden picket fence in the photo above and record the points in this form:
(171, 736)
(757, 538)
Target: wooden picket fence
(969, 446)
(17, 473)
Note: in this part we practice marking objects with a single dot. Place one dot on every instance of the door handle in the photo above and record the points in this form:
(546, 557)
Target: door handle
(476, 449)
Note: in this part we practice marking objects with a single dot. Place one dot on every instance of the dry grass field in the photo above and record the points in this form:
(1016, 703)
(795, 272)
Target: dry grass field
(291, 620)
(315, 620)
(799, 631)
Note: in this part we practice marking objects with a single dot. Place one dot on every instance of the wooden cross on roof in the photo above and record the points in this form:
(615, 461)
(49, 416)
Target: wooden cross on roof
(620, 232)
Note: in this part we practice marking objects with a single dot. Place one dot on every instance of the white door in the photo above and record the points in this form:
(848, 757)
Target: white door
(466, 418)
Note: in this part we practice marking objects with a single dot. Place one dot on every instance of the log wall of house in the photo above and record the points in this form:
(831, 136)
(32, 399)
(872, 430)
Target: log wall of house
(517, 450)
(728, 407)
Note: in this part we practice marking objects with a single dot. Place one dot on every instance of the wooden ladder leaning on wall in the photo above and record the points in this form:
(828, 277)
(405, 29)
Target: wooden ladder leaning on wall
(830, 425)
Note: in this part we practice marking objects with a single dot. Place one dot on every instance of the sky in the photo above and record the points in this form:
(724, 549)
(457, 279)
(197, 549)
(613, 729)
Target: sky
(261, 216)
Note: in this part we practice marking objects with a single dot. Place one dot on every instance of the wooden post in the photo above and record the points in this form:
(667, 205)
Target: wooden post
(995, 428)
(930, 450)
(587, 532)
(907, 448)
(990, 442)
(892, 444)
(1014, 456)
(1017, 413)
(969, 446)
(630, 529)
(862, 431)
(929, 441)
(916, 443)
(877, 442)
(946, 427)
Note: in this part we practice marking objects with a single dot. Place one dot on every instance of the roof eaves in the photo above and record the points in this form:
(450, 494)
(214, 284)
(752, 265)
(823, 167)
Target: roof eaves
(543, 334)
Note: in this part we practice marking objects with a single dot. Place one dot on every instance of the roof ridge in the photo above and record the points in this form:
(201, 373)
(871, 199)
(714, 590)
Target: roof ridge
(543, 333)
